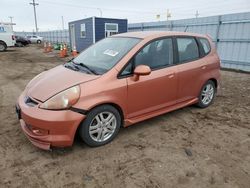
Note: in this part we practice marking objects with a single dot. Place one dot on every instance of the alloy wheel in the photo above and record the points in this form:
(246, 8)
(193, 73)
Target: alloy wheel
(102, 126)
(207, 94)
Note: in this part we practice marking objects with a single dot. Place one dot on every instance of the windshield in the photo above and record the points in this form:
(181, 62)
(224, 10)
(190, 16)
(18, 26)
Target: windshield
(103, 55)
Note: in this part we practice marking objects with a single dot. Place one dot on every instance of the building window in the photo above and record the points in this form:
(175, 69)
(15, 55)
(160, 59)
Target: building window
(83, 30)
(111, 29)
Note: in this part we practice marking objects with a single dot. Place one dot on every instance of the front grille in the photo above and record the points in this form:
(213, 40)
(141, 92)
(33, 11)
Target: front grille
(30, 102)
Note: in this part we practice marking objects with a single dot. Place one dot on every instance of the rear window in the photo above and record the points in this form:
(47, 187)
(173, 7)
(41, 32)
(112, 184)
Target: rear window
(205, 45)
(187, 49)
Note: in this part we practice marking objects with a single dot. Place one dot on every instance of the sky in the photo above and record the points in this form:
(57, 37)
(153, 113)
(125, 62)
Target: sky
(50, 12)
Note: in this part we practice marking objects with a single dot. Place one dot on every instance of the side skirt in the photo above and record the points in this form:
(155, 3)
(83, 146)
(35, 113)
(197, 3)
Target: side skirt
(128, 122)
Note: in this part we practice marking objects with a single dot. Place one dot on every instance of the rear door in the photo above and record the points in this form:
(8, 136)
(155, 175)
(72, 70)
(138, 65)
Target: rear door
(190, 68)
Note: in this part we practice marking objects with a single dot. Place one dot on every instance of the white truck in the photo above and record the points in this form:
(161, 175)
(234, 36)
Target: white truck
(7, 37)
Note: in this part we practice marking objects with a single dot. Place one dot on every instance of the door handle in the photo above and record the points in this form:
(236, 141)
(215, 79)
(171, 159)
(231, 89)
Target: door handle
(171, 76)
(203, 67)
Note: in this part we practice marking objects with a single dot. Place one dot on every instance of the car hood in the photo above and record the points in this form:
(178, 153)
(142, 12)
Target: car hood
(51, 82)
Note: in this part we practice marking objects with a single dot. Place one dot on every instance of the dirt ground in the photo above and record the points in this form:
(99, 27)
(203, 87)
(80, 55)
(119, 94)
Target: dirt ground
(188, 148)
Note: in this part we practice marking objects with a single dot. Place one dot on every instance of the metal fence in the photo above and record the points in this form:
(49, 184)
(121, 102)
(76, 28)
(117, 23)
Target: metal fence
(56, 36)
(231, 34)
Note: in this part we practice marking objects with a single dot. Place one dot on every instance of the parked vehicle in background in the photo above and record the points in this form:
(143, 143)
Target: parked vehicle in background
(22, 41)
(35, 39)
(118, 81)
(7, 37)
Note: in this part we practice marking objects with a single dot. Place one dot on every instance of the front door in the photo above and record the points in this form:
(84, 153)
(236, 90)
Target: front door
(159, 89)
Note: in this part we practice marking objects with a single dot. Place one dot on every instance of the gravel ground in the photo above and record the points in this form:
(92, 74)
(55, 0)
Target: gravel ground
(190, 147)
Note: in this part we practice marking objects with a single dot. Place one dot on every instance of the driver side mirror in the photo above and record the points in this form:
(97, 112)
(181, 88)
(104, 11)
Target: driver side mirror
(141, 70)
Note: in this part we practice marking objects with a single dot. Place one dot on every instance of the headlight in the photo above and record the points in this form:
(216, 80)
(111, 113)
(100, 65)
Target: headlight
(62, 100)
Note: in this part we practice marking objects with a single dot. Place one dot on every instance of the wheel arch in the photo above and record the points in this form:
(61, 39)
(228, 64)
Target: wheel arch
(3, 42)
(215, 81)
(116, 106)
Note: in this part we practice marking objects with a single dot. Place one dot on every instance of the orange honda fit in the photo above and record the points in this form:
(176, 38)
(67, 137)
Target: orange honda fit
(116, 82)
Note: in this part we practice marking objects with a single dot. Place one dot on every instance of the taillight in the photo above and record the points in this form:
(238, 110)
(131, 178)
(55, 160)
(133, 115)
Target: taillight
(13, 37)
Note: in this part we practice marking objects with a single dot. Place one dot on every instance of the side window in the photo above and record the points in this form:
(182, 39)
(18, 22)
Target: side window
(205, 44)
(83, 30)
(187, 49)
(157, 54)
(128, 70)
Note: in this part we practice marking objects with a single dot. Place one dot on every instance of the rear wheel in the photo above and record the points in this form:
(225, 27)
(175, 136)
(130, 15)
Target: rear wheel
(39, 41)
(3, 46)
(207, 94)
(101, 125)
(19, 44)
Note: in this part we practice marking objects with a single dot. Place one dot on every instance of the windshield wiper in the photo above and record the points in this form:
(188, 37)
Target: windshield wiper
(85, 66)
(75, 68)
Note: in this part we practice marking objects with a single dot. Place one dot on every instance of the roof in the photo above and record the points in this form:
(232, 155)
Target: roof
(7, 23)
(102, 18)
(156, 34)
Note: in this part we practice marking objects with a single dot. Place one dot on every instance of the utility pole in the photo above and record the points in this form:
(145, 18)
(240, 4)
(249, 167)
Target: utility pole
(62, 23)
(34, 4)
(11, 17)
(100, 10)
(158, 17)
(197, 14)
(168, 14)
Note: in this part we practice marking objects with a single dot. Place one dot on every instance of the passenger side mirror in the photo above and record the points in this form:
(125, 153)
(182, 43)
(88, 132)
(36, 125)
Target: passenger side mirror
(141, 70)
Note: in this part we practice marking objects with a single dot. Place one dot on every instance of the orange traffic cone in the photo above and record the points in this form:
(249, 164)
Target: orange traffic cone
(74, 52)
(61, 55)
(45, 47)
(65, 50)
(49, 48)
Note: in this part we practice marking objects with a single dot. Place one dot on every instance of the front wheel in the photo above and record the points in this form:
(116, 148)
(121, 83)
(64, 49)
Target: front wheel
(3, 46)
(39, 42)
(207, 94)
(101, 125)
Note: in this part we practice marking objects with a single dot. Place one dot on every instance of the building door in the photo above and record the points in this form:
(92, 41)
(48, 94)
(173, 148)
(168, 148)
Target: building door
(72, 36)
(111, 29)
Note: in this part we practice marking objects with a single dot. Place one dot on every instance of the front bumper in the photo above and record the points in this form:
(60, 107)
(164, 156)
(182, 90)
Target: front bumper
(59, 127)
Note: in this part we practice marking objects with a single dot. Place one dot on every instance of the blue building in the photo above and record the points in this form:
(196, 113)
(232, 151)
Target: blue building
(85, 32)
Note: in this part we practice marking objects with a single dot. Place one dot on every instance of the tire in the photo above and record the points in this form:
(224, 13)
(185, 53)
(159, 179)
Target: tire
(3, 46)
(207, 94)
(38, 41)
(19, 44)
(104, 122)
